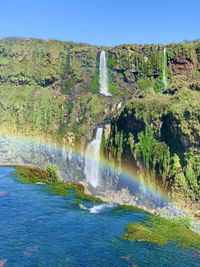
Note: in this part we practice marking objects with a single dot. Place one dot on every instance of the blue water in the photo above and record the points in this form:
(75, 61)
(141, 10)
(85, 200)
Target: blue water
(38, 228)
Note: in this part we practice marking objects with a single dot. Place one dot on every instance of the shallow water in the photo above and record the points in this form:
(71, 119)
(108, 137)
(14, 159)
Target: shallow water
(39, 228)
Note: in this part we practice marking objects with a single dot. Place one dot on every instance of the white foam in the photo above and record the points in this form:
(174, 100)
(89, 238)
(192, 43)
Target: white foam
(97, 208)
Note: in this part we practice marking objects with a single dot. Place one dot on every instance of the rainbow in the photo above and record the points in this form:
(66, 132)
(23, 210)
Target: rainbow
(36, 145)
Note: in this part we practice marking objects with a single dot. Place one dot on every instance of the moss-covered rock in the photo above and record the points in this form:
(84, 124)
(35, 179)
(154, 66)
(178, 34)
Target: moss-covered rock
(160, 231)
(33, 175)
(160, 135)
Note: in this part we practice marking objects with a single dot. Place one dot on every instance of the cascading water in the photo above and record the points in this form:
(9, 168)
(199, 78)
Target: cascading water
(109, 182)
(164, 79)
(92, 170)
(103, 75)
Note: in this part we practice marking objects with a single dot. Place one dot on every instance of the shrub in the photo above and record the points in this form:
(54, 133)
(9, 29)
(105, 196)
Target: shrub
(53, 172)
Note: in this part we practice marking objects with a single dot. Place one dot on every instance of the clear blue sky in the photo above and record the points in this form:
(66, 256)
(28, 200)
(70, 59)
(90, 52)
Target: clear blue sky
(103, 22)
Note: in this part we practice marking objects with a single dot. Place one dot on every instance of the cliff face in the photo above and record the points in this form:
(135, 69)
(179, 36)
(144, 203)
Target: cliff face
(160, 136)
(73, 68)
(52, 88)
(63, 66)
(138, 69)
(46, 88)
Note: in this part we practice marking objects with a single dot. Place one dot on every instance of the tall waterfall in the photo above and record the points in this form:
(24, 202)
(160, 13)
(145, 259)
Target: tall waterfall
(103, 75)
(164, 79)
(92, 170)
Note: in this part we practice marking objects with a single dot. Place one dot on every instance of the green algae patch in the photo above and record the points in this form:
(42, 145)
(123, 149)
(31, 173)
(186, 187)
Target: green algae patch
(63, 189)
(78, 201)
(88, 197)
(131, 208)
(34, 175)
(160, 231)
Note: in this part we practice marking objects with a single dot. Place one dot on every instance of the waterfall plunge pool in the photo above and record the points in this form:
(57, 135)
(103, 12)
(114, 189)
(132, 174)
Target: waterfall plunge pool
(39, 228)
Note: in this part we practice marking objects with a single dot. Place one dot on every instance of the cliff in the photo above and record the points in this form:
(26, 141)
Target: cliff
(52, 88)
(73, 68)
(160, 137)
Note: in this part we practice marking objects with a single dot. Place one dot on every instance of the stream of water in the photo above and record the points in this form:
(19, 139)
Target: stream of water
(164, 78)
(103, 75)
(92, 168)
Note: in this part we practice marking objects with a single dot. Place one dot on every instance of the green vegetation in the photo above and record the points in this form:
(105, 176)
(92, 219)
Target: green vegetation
(30, 110)
(114, 90)
(84, 196)
(111, 60)
(94, 87)
(32, 175)
(160, 231)
(67, 86)
(62, 130)
(145, 87)
(130, 208)
(53, 172)
(34, 62)
(51, 177)
(95, 106)
(159, 135)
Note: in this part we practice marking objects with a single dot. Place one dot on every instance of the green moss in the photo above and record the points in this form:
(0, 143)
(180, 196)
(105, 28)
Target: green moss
(111, 60)
(94, 87)
(131, 208)
(161, 231)
(154, 133)
(94, 106)
(114, 90)
(78, 201)
(63, 188)
(158, 85)
(30, 110)
(42, 63)
(67, 86)
(69, 107)
(32, 175)
(84, 196)
(58, 188)
(145, 86)
(62, 129)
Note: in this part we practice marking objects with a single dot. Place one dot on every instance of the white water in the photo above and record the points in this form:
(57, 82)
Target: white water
(164, 79)
(103, 75)
(97, 208)
(92, 170)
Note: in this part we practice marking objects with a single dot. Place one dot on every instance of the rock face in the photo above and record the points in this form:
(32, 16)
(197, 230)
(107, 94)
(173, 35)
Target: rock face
(182, 64)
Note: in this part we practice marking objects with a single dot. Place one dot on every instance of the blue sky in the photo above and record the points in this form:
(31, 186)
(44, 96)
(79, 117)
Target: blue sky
(102, 22)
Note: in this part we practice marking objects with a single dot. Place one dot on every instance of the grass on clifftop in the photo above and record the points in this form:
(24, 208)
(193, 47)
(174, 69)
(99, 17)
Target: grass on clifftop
(160, 231)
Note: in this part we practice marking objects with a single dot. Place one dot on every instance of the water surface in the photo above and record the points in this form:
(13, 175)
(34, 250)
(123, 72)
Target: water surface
(39, 228)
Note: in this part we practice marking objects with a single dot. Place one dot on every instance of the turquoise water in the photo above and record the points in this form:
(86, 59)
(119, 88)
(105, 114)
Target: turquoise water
(38, 228)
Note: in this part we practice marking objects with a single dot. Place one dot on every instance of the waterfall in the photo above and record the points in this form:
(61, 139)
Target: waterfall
(92, 170)
(164, 79)
(103, 75)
